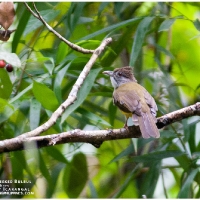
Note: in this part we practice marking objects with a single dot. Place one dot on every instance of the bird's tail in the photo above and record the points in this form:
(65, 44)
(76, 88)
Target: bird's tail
(147, 125)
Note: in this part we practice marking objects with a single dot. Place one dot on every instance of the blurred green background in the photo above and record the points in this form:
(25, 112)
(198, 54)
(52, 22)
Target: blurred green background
(160, 40)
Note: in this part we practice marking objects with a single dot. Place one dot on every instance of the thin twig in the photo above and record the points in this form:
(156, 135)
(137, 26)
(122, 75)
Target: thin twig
(179, 12)
(70, 44)
(30, 10)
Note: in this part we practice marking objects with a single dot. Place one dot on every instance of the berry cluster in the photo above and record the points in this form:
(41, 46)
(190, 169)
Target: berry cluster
(8, 66)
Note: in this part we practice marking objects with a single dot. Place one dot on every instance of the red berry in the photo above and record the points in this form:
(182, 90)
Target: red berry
(9, 67)
(2, 63)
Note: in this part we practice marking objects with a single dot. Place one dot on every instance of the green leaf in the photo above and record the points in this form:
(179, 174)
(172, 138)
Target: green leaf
(140, 34)
(56, 154)
(45, 96)
(197, 88)
(90, 44)
(112, 111)
(166, 25)
(118, 7)
(195, 37)
(21, 26)
(58, 81)
(93, 191)
(112, 27)
(165, 51)
(5, 84)
(129, 150)
(197, 24)
(18, 164)
(10, 58)
(82, 94)
(75, 176)
(55, 172)
(19, 122)
(184, 161)
(34, 115)
(44, 170)
(26, 90)
(74, 14)
(103, 94)
(186, 188)
(123, 41)
(102, 6)
(192, 137)
(49, 53)
(159, 155)
(84, 20)
(61, 52)
(150, 181)
(48, 63)
(128, 180)
(92, 116)
(34, 23)
(21, 94)
(6, 110)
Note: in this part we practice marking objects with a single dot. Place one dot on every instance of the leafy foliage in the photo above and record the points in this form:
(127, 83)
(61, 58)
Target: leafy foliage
(161, 41)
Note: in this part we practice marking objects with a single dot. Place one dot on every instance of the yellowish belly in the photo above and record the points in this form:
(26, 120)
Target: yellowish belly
(127, 114)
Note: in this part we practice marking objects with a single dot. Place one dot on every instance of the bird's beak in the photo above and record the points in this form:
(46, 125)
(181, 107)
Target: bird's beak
(109, 73)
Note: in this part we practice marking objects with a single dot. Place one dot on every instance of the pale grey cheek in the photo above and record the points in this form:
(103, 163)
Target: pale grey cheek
(114, 83)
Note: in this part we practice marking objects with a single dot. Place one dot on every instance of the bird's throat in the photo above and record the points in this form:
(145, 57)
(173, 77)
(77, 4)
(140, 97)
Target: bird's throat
(114, 83)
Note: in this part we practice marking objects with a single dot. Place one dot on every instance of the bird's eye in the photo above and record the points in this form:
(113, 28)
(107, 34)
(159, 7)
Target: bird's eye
(119, 73)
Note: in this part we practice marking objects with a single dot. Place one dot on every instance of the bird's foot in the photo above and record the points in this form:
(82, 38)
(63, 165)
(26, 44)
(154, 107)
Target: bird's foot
(126, 126)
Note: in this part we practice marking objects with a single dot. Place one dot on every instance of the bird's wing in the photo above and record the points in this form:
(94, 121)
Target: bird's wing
(130, 102)
(151, 103)
(127, 101)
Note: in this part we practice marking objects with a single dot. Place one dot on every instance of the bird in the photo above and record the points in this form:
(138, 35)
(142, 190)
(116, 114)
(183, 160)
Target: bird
(134, 101)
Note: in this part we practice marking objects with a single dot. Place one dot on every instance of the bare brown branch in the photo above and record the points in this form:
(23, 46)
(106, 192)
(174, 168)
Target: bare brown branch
(178, 115)
(95, 137)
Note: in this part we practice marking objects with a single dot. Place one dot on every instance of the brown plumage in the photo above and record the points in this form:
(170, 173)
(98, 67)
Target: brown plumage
(7, 14)
(134, 101)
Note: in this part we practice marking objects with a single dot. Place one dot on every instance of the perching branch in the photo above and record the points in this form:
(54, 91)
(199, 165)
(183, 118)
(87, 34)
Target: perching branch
(95, 137)
(70, 44)
(178, 115)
